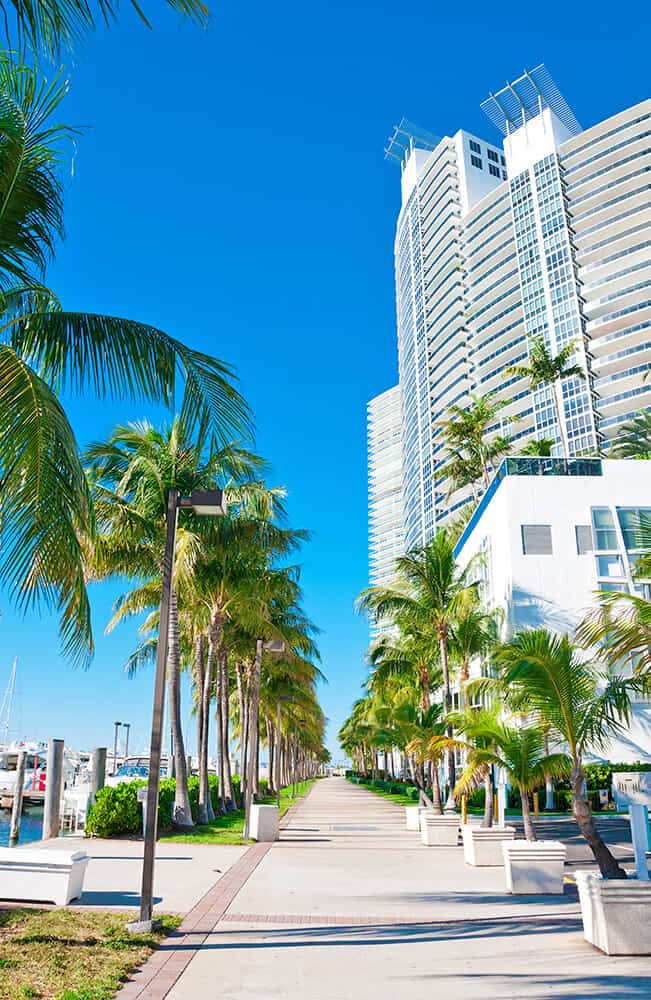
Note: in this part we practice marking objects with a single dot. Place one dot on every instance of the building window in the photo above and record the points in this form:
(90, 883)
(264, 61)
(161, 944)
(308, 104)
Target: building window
(495, 171)
(504, 173)
(605, 536)
(476, 162)
(610, 566)
(583, 538)
(492, 155)
(503, 161)
(476, 148)
(537, 540)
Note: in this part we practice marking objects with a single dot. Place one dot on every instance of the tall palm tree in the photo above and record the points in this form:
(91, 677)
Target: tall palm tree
(132, 474)
(633, 438)
(545, 369)
(521, 753)
(581, 702)
(45, 505)
(413, 659)
(475, 633)
(431, 590)
(473, 452)
(539, 448)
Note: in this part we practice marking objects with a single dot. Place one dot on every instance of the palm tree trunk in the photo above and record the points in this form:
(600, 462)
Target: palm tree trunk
(529, 832)
(488, 799)
(271, 743)
(561, 426)
(239, 680)
(229, 797)
(451, 801)
(436, 791)
(549, 784)
(199, 673)
(585, 820)
(251, 782)
(214, 633)
(181, 813)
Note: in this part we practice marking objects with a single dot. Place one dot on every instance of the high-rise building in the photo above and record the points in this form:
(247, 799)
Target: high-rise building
(386, 530)
(544, 233)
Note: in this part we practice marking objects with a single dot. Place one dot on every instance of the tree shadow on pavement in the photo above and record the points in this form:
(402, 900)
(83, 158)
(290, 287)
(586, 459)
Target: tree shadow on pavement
(531, 987)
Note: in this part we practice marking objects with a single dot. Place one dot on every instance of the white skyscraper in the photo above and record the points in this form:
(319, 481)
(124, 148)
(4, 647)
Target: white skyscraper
(544, 234)
(385, 506)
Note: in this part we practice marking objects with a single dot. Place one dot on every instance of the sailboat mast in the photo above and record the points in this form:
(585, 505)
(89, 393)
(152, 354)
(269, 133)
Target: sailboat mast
(8, 703)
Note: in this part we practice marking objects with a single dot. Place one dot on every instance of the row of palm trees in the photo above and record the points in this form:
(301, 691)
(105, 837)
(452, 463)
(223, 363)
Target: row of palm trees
(539, 707)
(67, 519)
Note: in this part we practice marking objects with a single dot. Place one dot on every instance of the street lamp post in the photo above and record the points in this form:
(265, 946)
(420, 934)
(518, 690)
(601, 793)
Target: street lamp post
(115, 747)
(127, 726)
(203, 502)
(276, 647)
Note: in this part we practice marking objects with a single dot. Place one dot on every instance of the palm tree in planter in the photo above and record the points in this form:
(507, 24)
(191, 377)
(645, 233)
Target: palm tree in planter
(423, 737)
(430, 591)
(582, 703)
(545, 369)
(520, 752)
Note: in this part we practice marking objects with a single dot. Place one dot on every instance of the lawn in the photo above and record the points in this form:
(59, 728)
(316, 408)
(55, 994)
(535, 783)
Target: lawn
(228, 829)
(70, 954)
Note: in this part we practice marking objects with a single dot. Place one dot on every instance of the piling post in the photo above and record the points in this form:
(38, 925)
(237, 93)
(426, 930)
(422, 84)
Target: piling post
(17, 807)
(98, 772)
(53, 789)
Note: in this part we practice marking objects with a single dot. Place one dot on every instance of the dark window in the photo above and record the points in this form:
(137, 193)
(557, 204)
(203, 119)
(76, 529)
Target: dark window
(495, 171)
(503, 161)
(537, 540)
(476, 148)
(504, 174)
(476, 162)
(583, 538)
(492, 155)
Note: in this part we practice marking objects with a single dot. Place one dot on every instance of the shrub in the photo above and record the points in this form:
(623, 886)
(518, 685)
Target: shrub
(116, 811)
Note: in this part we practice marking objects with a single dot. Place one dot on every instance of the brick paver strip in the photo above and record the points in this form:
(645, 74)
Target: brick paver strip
(155, 979)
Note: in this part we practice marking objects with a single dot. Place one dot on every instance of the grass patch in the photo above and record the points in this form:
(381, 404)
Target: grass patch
(229, 829)
(70, 954)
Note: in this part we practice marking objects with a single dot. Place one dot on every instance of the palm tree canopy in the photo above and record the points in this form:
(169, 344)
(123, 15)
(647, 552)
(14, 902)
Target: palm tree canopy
(519, 751)
(578, 698)
(633, 439)
(620, 626)
(546, 369)
(541, 447)
(44, 350)
(51, 26)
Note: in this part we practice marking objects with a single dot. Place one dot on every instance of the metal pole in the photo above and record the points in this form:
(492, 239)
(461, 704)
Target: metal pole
(98, 772)
(53, 789)
(127, 726)
(278, 755)
(253, 738)
(17, 806)
(115, 747)
(147, 887)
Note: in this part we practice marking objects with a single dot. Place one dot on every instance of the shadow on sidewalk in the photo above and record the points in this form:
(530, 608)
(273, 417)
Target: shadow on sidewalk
(527, 985)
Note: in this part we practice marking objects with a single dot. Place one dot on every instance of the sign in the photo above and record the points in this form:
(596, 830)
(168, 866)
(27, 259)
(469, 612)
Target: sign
(603, 797)
(632, 788)
(142, 795)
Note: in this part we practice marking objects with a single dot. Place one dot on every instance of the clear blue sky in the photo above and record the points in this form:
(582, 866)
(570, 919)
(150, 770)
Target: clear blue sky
(232, 190)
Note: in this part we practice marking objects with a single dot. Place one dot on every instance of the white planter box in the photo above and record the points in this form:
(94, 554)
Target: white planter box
(482, 846)
(264, 823)
(534, 867)
(412, 814)
(616, 913)
(439, 831)
(37, 875)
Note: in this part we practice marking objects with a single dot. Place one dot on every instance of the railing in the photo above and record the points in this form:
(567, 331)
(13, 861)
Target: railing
(528, 466)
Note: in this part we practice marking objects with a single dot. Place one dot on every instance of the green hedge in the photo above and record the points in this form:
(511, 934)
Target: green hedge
(117, 812)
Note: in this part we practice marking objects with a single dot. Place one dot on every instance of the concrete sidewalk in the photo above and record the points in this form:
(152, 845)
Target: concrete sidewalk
(349, 905)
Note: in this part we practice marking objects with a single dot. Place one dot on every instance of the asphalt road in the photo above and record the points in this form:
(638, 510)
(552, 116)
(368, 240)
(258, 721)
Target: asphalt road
(615, 831)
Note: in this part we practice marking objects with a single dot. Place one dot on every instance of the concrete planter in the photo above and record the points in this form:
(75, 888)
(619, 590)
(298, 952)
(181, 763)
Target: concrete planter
(534, 867)
(616, 913)
(439, 831)
(482, 846)
(412, 815)
(38, 875)
(263, 826)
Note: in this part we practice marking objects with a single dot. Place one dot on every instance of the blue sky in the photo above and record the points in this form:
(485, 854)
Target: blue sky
(231, 189)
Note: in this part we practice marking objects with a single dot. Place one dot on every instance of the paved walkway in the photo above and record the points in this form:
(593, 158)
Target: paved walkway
(349, 905)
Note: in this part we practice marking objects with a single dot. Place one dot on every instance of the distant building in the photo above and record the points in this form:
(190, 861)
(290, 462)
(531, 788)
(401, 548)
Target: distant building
(552, 532)
(386, 532)
(544, 232)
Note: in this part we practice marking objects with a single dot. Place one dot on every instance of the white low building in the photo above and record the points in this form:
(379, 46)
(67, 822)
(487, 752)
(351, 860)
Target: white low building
(551, 533)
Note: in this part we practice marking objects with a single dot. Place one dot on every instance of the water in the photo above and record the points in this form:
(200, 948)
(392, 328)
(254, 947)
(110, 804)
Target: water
(31, 826)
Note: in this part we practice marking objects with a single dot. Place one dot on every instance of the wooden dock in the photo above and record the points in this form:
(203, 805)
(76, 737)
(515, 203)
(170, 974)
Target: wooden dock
(30, 797)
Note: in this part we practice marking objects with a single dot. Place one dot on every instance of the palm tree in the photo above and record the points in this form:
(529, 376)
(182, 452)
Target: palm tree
(545, 369)
(522, 755)
(633, 438)
(50, 27)
(473, 453)
(45, 504)
(412, 659)
(431, 590)
(422, 732)
(474, 634)
(539, 448)
(580, 701)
